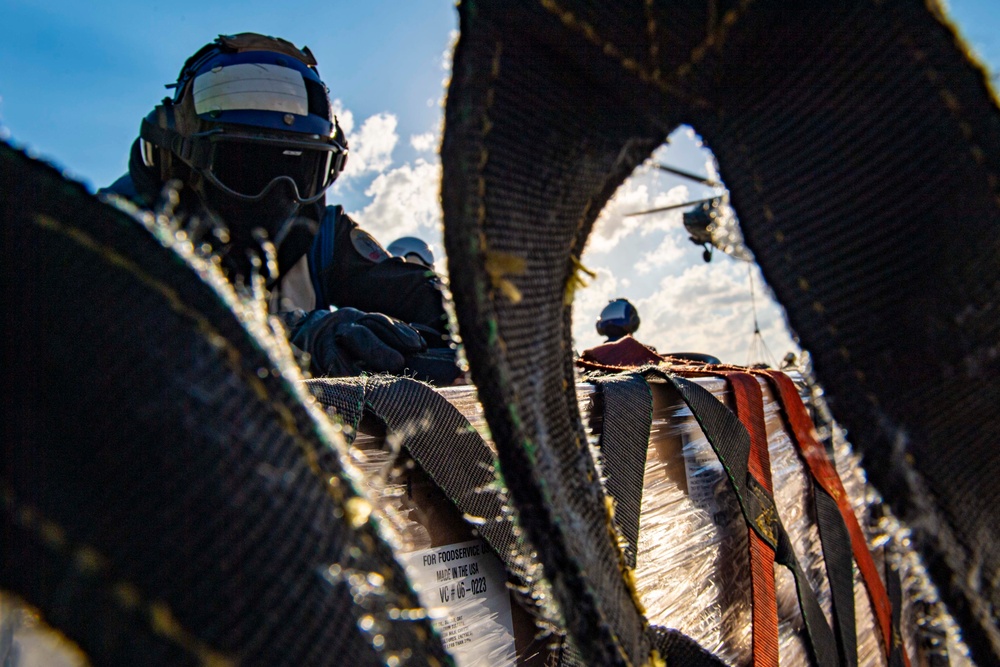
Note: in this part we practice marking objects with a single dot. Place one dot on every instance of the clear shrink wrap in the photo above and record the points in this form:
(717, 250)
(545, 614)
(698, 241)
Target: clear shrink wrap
(692, 570)
(692, 567)
(26, 640)
(463, 586)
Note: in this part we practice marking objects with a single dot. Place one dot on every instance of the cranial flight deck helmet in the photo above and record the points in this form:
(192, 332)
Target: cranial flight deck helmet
(412, 249)
(619, 318)
(250, 130)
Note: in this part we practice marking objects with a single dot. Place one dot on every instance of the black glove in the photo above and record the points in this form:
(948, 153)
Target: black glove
(439, 366)
(348, 341)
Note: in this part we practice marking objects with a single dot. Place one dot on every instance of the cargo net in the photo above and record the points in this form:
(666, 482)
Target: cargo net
(553, 104)
(480, 584)
(169, 492)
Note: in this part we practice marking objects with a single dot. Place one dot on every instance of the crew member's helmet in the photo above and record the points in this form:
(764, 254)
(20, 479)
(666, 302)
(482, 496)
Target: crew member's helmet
(249, 129)
(619, 318)
(412, 250)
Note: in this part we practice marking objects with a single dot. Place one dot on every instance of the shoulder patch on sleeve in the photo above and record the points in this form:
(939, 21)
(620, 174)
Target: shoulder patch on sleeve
(367, 246)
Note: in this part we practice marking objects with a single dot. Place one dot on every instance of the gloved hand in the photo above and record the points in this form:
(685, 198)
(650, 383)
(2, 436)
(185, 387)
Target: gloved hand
(348, 341)
(431, 336)
(438, 365)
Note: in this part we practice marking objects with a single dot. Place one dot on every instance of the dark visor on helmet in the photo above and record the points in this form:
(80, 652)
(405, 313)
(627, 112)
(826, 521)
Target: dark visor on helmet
(248, 167)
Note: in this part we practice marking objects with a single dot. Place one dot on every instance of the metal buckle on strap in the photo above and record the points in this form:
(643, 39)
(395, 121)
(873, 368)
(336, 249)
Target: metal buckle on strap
(763, 513)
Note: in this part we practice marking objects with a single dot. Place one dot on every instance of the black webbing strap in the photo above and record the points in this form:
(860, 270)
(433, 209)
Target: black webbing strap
(569, 654)
(446, 445)
(834, 537)
(441, 440)
(894, 589)
(821, 637)
(679, 650)
(343, 399)
(344, 404)
(731, 443)
(626, 418)
(836, 543)
(623, 414)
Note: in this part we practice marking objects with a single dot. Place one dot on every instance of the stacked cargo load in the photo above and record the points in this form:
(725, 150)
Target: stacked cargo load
(687, 545)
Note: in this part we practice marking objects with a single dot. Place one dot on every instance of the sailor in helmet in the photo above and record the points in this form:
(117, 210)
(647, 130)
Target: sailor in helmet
(618, 321)
(250, 138)
(413, 250)
(619, 318)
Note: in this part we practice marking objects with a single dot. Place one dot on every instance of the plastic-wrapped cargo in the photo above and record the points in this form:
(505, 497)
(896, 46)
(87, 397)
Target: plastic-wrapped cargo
(692, 568)
(464, 586)
(692, 565)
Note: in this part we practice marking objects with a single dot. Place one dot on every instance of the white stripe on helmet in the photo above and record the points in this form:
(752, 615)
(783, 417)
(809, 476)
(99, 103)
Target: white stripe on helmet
(251, 86)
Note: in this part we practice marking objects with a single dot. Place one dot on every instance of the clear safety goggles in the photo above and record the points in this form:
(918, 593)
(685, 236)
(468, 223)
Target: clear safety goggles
(248, 167)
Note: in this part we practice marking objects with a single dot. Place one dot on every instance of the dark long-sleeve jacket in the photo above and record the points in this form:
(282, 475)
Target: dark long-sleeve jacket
(329, 260)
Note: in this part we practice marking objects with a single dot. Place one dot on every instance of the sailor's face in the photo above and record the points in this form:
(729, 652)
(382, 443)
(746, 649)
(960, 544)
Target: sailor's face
(247, 220)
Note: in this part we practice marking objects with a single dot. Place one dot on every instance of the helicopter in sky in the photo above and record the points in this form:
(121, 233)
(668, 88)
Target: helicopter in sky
(710, 222)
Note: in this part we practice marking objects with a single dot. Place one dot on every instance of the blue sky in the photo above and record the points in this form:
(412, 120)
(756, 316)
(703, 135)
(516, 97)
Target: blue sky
(77, 77)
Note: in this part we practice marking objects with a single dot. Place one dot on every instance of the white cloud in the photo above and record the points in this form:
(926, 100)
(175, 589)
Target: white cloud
(611, 225)
(706, 308)
(634, 195)
(344, 117)
(371, 146)
(447, 56)
(427, 141)
(406, 202)
(669, 252)
(666, 220)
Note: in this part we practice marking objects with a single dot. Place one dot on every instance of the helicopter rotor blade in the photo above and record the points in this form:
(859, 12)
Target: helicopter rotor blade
(671, 207)
(686, 174)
